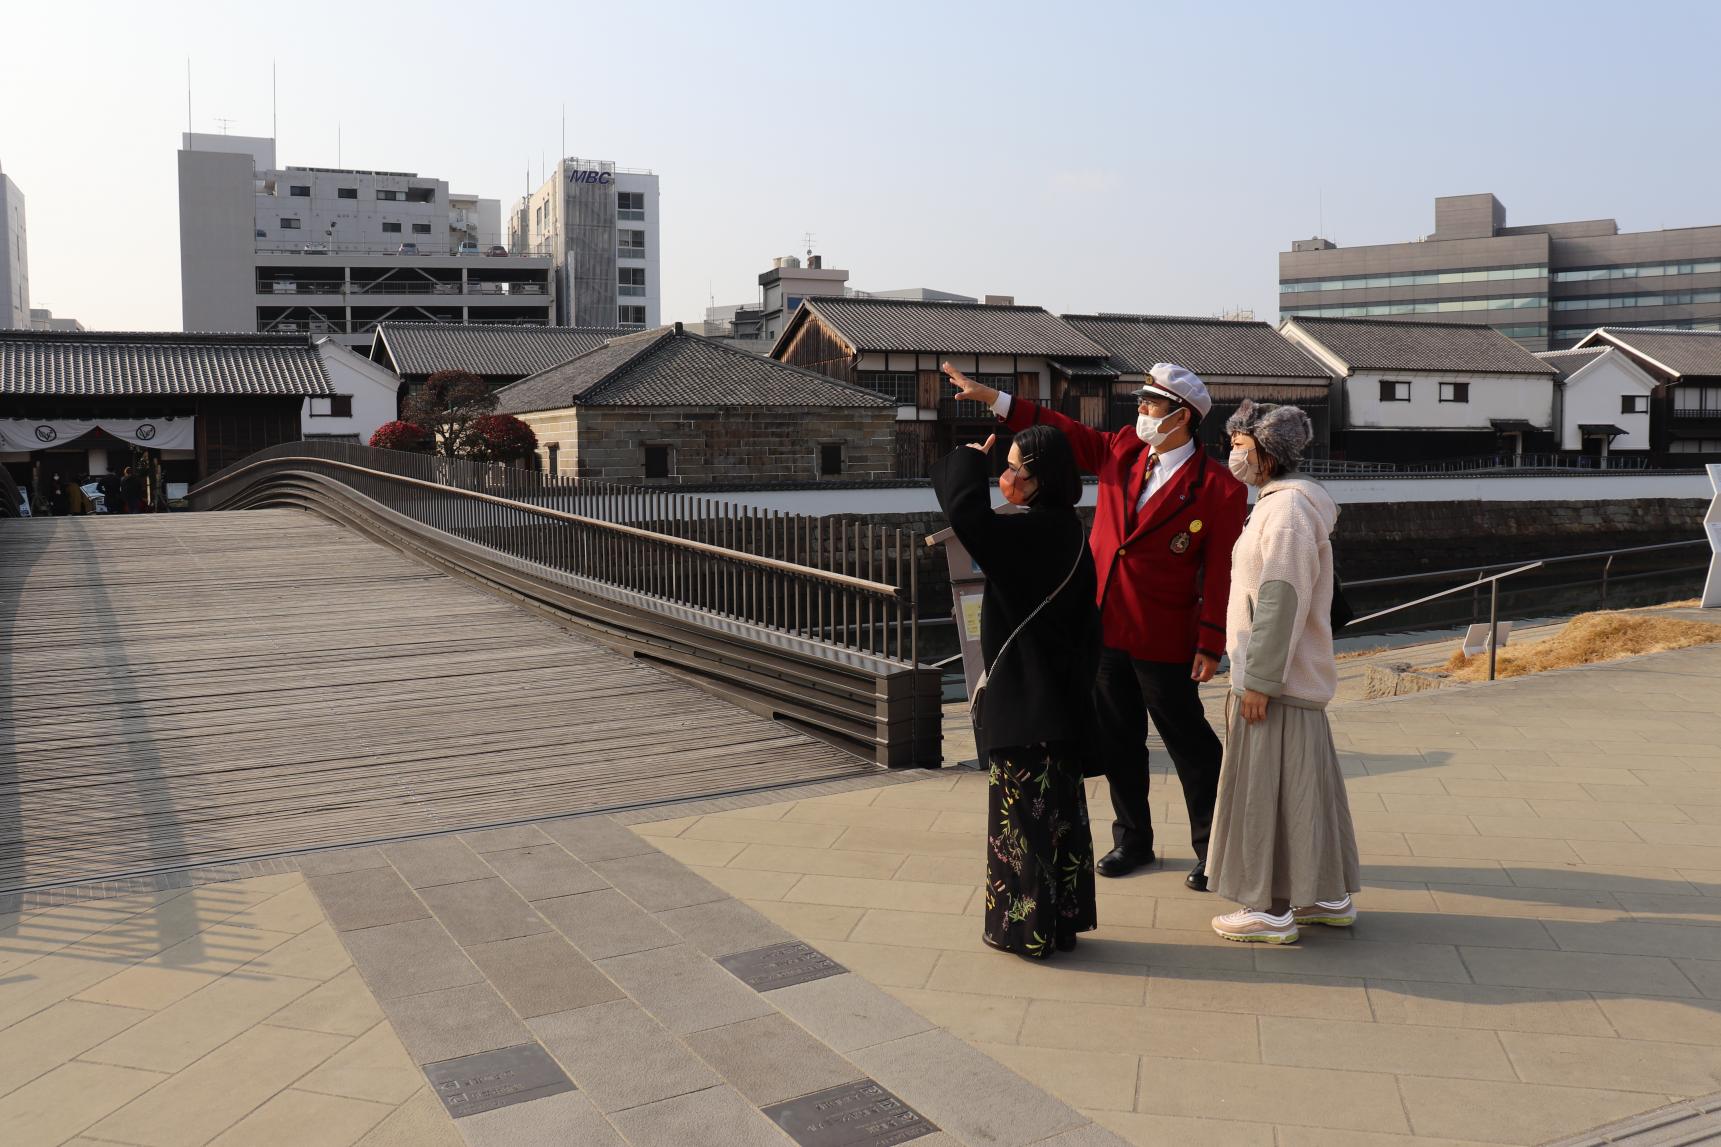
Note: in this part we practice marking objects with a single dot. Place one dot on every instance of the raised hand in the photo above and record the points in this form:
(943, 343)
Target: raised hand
(968, 388)
(984, 447)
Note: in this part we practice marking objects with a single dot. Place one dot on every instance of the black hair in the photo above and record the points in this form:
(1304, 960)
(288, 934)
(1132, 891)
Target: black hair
(1050, 462)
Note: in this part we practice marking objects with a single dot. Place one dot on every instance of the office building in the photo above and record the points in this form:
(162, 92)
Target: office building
(43, 319)
(14, 258)
(338, 251)
(1545, 285)
(598, 224)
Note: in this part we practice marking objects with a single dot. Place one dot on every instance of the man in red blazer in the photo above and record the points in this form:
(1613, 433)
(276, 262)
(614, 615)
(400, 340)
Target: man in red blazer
(1167, 518)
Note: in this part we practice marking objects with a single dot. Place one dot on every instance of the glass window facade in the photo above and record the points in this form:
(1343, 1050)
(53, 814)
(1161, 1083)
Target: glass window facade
(1419, 307)
(1638, 271)
(1413, 279)
(1615, 302)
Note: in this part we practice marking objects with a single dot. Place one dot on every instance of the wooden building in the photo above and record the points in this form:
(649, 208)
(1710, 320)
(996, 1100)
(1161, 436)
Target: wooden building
(82, 403)
(895, 347)
(1237, 359)
(1685, 406)
(497, 354)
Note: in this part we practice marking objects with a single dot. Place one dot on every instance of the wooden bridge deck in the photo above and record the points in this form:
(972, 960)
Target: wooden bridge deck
(195, 688)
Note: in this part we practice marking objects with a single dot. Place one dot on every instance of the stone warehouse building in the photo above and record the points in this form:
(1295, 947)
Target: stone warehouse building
(668, 407)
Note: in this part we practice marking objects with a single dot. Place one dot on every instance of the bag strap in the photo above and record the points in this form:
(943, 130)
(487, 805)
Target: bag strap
(1082, 548)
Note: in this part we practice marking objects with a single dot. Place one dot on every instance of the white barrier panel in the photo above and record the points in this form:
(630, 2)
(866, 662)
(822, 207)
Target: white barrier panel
(1712, 525)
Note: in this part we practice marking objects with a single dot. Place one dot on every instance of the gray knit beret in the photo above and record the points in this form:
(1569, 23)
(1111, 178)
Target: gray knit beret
(1283, 432)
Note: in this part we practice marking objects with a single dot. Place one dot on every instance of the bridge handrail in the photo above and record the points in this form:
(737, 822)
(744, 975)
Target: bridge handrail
(811, 572)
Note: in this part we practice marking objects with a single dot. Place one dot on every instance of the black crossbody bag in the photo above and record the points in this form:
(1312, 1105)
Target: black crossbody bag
(974, 702)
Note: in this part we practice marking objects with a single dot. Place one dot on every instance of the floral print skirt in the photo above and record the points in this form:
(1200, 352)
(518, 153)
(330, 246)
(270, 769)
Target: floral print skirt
(1039, 851)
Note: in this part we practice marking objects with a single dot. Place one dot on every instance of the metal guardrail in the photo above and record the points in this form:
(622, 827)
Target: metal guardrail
(815, 620)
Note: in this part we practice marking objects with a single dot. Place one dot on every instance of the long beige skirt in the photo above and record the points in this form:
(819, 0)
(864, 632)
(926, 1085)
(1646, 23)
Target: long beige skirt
(1282, 827)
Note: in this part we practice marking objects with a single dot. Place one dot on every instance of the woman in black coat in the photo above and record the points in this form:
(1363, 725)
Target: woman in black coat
(1035, 718)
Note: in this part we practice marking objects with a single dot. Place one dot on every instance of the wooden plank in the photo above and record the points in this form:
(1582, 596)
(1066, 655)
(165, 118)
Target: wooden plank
(197, 688)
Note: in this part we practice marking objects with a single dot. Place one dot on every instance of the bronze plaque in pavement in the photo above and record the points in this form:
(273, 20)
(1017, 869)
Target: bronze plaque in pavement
(861, 1114)
(493, 1079)
(780, 965)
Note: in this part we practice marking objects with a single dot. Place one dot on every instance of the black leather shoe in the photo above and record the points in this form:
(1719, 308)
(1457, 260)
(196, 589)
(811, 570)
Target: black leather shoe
(1121, 862)
(1066, 943)
(1197, 878)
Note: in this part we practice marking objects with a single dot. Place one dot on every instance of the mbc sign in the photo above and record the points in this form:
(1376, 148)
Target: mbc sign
(590, 177)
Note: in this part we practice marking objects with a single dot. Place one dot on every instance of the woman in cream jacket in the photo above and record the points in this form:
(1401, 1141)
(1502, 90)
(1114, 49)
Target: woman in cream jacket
(1283, 843)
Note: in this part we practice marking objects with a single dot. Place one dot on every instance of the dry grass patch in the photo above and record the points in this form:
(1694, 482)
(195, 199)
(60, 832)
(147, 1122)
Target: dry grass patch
(1587, 639)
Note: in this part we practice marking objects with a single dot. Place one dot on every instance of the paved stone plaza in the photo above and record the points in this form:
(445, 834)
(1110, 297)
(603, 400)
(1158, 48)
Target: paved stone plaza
(1539, 955)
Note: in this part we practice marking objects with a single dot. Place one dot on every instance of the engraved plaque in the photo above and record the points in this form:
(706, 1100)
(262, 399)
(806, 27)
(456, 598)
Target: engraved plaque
(493, 1079)
(860, 1114)
(780, 965)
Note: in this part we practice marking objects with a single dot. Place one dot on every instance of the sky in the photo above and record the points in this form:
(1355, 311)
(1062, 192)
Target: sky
(1140, 157)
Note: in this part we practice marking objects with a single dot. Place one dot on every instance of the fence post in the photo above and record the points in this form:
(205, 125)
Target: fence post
(1493, 626)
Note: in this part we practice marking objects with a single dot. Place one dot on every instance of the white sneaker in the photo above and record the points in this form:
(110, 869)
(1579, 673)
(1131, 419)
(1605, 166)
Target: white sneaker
(1247, 924)
(1332, 913)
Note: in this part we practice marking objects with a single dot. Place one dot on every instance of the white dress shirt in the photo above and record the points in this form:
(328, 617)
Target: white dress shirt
(1169, 462)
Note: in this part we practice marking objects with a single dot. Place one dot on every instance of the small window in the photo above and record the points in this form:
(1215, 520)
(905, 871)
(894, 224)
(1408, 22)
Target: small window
(657, 461)
(300, 190)
(1634, 404)
(391, 196)
(630, 205)
(631, 276)
(346, 193)
(554, 451)
(1453, 391)
(1391, 391)
(421, 195)
(630, 316)
(421, 228)
(341, 406)
(391, 228)
(289, 224)
(830, 459)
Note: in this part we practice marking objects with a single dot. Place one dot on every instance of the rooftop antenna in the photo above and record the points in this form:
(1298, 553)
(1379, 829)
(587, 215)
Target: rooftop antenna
(189, 141)
(1321, 210)
(807, 238)
(337, 143)
(274, 105)
(224, 121)
(564, 129)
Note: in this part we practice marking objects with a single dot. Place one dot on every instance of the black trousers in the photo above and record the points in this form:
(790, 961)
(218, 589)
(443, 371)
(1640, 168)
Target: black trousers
(1126, 694)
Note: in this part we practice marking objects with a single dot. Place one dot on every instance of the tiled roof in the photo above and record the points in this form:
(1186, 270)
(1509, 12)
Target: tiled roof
(670, 367)
(1687, 352)
(100, 364)
(419, 349)
(945, 328)
(1569, 362)
(1205, 346)
(1384, 344)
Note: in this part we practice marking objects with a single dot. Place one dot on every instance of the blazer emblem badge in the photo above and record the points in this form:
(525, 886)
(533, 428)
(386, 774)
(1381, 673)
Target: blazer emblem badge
(1180, 543)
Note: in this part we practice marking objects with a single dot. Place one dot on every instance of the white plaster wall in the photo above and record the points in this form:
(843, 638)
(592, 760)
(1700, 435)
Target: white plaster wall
(1529, 397)
(372, 388)
(1593, 396)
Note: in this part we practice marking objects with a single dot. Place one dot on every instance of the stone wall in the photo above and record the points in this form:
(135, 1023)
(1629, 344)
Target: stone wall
(728, 447)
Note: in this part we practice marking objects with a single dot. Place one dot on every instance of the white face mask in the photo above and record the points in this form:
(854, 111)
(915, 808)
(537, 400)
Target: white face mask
(1147, 428)
(1247, 470)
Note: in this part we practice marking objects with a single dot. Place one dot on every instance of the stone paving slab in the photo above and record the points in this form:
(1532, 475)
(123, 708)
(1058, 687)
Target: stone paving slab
(1539, 950)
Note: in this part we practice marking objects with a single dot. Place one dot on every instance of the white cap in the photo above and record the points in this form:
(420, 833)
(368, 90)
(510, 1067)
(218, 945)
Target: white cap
(1179, 383)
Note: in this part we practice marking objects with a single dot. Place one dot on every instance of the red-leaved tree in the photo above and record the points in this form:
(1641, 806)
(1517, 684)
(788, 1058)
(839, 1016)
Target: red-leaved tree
(500, 438)
(447, 405)
(402, 435)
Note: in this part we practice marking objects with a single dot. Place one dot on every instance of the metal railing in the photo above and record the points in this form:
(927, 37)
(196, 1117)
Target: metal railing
(11, 501)
(399, 287)
(776, 606)
(1491, 576)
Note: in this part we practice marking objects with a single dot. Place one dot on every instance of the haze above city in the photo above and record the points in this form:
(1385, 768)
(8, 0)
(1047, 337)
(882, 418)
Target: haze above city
(1087, 157)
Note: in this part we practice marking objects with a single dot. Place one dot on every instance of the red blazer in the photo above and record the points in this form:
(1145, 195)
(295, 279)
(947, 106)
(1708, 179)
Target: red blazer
(1165, 573)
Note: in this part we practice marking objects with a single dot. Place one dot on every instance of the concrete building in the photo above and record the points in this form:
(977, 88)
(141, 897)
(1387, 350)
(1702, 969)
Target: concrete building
(14, 258)
(1545, 285)
(338, 251)
(1422, 391)
(1602, 401)
(668, 407)
(42, 319)
(599, 225)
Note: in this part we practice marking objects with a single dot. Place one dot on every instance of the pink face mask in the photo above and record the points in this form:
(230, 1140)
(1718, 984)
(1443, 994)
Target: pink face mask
(1010, 485)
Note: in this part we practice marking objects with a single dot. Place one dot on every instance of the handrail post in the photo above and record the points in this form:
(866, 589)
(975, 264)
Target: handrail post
(1606, 567)
(1493, 626)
